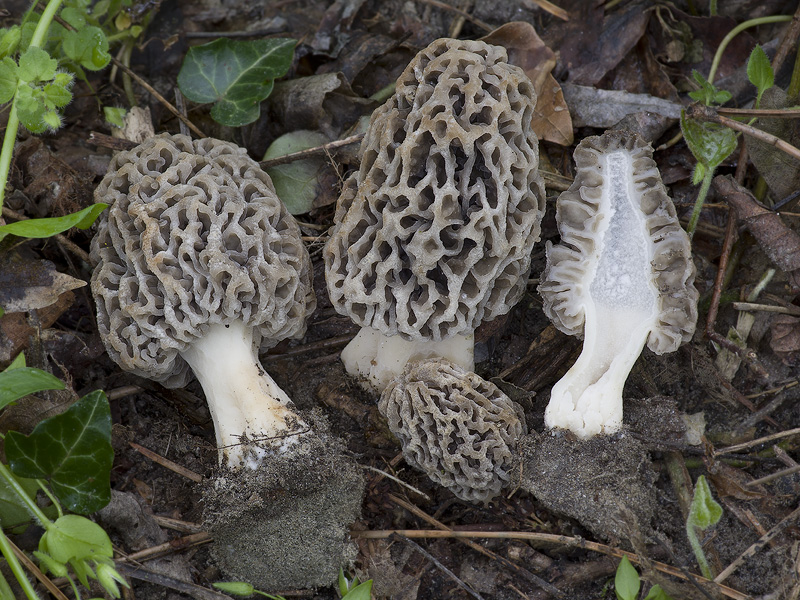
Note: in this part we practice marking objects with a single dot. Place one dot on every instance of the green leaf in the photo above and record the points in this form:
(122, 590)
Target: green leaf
(362, 591)
(36, 65)
(296, 182)
(75, 538)
(759, 72)
(115, 115)
(656, 593)
(20, 382)
(17, 363)
(235, 75)
(704, 511)
(13, 511)
(31, 108)
(708, 94)
(72, 450)
(88, 46)
(626, 581)
(57, 95)
(42, 228)
(710, 143)
(237, 588)
(9, 40)
(8, 80)
(74, 16)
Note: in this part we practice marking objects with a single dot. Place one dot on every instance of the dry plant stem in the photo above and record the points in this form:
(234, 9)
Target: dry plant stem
(43, 579)
(758, 545)
(544, 585)
(68, 244)
(170, 547)
(106, 141)
(764, 412)
(398, 481)
(758, 113)
(439, 566)
(327, 344)
(558, 540)
(706, 113)
(757, 442)
(751, 306)
(191, 589)
(301, 154)
(774, 476)
(788, 43)
(549, 7)
(165, 462)
(464, 14)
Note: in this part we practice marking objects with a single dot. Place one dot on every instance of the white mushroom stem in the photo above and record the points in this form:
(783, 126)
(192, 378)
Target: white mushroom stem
(377, 358)
(252, 415)
(588, 399)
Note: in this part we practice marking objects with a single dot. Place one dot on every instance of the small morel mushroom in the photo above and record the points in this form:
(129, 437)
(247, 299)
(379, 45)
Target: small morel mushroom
(621, 277)
(434, 233)
(199, 266)
(455, 426)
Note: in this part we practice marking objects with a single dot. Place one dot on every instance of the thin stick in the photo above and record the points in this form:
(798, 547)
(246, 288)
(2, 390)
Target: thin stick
(772, 113)
(466, 15)
(773, 476)
(165, 462)
(549, 7)
(757, 442)
(31, 566)
(756, 546)
(399, 481)
(786, 310)
(167, 547)
(308, 152)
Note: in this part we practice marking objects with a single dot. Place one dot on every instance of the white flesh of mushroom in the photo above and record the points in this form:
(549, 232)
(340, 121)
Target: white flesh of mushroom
(252, 415)
(378, 358)
(620, 304)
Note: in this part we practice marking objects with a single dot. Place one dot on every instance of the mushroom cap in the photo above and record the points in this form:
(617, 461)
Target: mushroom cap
(455, 426)
(195, 235)
(434, 232)
(565, 279)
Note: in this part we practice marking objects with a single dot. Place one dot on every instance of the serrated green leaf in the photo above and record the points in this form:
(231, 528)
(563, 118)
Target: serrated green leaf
(72, 450)
(704, 510)
(13, 511)
(362, 591)
(296, 182)
(20, 382)
(710, 143)
(626, 581)
(759, 72)
(88, 46)
(656, 593)
(9, 40)
(75, 538)
(36, 65)
(31, 108)
(708, 94)
(8, 80)
(236, 75)
(42, 228)
(57, 96)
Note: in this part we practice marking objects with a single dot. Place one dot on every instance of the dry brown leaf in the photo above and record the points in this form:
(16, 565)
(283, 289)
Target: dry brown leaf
(785, 338)
(551, 120)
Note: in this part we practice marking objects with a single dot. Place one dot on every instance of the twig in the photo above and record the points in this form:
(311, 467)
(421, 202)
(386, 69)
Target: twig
(706, 113)
(788, 43)
(186, 587)
(466, 15)
(773, 476)
(756, 546)
(108, 141)
(169, 547)
(758, 441)
(772, 113)
(308, 152)
(177, 524)
(399, 481)
(786, 310)
(440, 566)
(31, 566)
(548, 7)
(559, 540)
(68, 244)
(165, 462)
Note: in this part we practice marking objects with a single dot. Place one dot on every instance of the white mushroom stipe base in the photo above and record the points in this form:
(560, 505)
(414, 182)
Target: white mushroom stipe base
(622, 276)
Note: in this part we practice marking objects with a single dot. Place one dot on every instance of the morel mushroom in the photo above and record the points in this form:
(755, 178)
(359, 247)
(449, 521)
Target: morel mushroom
(621, 277)
(434, 233)
(200, 265)
(455, 426)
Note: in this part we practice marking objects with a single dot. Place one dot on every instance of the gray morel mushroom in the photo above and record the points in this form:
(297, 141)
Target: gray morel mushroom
(200, 265)
(455, 426)
(621, 277)
(434, 232)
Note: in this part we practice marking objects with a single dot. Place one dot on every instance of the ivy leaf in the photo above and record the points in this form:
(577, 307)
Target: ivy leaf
(626, 581)
(43, 228)
(88, 46)
(710, 143)
(36, 65)
(19, 382)
(235, 75)
(8, 80)
(704, 511)
(759, 72)
(296, 182)
(72, 450)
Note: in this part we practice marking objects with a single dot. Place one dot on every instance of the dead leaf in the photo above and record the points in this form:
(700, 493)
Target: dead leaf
(16, 332)
(591, 107)
(729, 481)
(27, 283)
(551, 120)
(785, 338)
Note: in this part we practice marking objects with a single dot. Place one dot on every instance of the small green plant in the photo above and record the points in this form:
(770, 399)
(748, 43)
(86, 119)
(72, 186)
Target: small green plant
(627, 584)
(236, 76)
(68, 457)
(349, 589)
(703, 513)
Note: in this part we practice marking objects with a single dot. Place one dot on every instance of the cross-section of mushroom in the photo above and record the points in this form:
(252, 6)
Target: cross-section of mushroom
(199, 266)
(433, 234)
(621, 277)
(455, 426)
